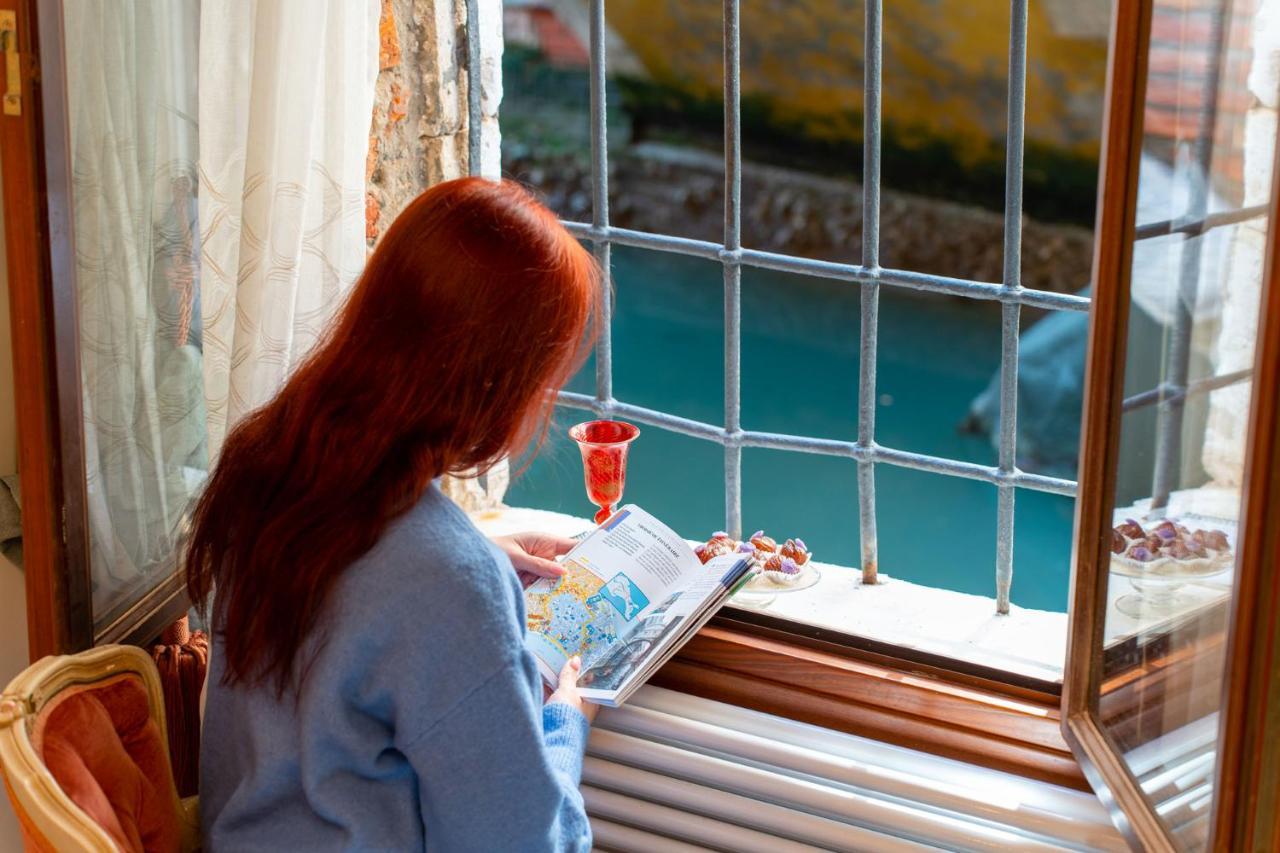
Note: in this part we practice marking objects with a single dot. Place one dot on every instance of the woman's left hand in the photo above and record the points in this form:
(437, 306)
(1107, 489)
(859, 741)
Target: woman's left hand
(533, 554)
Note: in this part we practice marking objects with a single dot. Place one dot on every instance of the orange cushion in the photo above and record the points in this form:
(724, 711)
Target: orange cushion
(109, 756)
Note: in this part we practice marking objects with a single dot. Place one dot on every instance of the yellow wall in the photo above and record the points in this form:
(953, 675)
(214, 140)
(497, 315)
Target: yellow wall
(945, 67)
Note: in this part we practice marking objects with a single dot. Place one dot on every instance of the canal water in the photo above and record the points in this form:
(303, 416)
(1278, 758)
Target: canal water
(800, 376)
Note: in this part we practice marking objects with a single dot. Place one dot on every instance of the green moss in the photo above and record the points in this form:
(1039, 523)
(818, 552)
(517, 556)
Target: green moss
(546, 108)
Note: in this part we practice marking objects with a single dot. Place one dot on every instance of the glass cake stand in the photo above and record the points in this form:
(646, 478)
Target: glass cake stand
(761, 592)
(1160, 590)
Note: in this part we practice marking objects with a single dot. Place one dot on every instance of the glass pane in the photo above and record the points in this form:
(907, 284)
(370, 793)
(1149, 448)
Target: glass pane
(131, 87)
(800, 343)
(1207, 152)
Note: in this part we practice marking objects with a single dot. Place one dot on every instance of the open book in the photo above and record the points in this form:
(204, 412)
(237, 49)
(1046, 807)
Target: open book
(633, 593)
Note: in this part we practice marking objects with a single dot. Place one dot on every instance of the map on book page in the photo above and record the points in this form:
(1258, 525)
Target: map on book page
(580, 614)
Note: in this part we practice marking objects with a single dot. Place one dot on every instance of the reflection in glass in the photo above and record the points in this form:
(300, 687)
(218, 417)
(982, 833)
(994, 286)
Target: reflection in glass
(1204, 183)
(131, 89)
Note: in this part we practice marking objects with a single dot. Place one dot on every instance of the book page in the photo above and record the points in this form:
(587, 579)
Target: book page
(618, 575)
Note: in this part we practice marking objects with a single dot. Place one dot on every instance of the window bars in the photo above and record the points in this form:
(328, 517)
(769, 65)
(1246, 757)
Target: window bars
(868, 275)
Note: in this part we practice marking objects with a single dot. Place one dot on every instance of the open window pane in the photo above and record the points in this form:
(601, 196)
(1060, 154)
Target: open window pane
(1161, 574)
(1194, 311)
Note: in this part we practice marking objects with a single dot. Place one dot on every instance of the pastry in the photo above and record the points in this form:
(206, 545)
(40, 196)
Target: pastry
(781, 570)
(1131, 529)
(779, 565)
(763, 543)
(796, 550)
(715, 547)
(1117, 542)
(1168, 548)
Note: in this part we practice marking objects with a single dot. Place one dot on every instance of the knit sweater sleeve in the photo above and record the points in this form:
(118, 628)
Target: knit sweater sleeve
(501, 773)
(498, 770)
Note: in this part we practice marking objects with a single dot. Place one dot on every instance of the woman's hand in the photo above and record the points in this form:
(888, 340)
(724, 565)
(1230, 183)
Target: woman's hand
(566, 691)
(533, 554)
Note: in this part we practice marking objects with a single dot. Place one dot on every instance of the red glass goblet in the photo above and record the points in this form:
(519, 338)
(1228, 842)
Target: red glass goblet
(604, 461)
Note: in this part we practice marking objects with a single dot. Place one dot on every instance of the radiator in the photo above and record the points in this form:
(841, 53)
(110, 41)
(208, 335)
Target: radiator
(671, 772)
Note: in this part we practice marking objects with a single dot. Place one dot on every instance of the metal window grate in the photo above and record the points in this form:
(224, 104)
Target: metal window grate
(870, 276)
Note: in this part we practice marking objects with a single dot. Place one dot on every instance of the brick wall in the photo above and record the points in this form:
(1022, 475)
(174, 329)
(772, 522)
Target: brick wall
(1181, 53)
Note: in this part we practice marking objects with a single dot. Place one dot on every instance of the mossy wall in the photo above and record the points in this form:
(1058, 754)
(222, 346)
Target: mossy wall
(945, 85)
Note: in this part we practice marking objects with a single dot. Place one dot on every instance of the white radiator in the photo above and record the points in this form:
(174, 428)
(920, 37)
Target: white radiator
(674, 772)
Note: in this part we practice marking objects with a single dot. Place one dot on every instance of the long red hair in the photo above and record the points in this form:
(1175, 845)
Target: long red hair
(475, 306)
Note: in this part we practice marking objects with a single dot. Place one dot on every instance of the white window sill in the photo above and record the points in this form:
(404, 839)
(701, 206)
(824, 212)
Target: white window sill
(937, 621)
(1030, 643)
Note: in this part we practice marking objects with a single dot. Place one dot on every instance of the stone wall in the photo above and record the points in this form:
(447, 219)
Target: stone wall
(672, 190)
(1225, 436)
(419, 132)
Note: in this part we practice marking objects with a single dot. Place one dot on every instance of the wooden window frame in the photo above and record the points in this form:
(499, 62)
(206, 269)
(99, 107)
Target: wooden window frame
(853, 685)
(51, 614)
(910, 703)
(1245, 813)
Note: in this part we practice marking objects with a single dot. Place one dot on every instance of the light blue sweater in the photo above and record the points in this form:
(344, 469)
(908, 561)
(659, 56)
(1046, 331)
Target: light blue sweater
(420, 723)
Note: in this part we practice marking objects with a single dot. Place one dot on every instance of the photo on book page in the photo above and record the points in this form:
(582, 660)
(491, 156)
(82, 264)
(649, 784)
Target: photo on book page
(614, 675)
(621, 660)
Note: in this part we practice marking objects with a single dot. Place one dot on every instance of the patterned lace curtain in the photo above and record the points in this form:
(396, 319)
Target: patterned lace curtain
(286, 96)
(131, 85)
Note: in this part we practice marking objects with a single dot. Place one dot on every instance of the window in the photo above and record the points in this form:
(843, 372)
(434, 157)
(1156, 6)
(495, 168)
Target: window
(1156, 717)
(701, 315)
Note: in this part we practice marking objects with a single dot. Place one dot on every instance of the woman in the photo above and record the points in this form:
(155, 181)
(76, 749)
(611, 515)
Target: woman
(369, 688)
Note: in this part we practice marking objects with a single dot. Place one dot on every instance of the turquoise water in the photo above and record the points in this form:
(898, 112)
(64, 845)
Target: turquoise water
(800, 376)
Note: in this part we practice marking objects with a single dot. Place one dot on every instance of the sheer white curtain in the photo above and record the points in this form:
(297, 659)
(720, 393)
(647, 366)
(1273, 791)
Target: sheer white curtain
(286, 97)
(131, 91)
(218, 153)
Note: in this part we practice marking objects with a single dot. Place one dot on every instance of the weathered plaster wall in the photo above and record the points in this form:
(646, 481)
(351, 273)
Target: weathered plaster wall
(418, 135)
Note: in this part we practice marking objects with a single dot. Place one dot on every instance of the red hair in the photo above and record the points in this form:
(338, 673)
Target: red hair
(475, 306)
